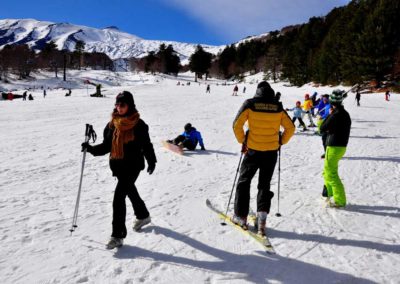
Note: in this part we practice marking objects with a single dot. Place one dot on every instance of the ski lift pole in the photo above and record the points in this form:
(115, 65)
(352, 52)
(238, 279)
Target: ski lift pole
(89, 134)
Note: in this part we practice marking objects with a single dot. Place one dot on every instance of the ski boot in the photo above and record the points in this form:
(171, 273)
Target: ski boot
(324, 191)
(115, 243)
(139, 223)
(240, 221)
(261, 222)
(330, 203)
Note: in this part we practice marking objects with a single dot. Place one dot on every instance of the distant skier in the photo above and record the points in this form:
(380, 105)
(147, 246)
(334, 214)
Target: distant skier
(24, 95)
(208, 90)
(244, 89)
(307, 106)
(126, 138)
(315, 102)
(44, 93)
(358, 98)
(265, 116)
(297, 112)
(235, 90)
(278, 96)
(337, 126)
(30, 97)
(189, 138)
(387, 96)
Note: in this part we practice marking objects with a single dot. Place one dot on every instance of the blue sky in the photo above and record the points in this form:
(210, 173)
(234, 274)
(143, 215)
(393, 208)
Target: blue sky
(215, 22)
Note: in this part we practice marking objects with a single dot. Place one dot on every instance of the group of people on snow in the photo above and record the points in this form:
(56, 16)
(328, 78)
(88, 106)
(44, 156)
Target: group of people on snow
(126, 139)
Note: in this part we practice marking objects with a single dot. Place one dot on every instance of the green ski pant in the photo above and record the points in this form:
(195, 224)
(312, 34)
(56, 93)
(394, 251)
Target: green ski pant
(332, 180)
(319, 123)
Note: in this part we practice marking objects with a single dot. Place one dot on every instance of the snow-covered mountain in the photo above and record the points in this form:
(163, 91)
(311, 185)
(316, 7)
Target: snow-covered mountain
(115, 43)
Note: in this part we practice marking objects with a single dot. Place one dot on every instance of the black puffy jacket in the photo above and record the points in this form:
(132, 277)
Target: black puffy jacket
(134, 151)
(337, 125)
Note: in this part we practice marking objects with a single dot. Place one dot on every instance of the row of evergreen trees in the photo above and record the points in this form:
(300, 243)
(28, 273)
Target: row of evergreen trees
(358, 42)
(22, 60)
(355, 43)
(165, 60)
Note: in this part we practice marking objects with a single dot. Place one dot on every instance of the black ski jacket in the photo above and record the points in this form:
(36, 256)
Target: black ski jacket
(134, 151)
(337, 125)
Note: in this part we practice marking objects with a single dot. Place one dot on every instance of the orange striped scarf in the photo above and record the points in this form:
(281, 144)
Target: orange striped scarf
(123, 133)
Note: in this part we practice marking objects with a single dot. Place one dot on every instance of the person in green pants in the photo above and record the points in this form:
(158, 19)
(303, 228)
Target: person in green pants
(337, 128)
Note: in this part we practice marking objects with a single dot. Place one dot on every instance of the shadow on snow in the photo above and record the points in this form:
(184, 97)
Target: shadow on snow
(378, 159)
(384, 211)
(257, 268)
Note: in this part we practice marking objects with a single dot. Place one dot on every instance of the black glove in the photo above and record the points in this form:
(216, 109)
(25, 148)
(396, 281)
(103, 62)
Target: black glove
(202, 148)
(86, 146)
(151, 167)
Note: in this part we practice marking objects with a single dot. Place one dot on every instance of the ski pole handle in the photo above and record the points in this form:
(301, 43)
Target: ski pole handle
(92, 133)
(87, 132)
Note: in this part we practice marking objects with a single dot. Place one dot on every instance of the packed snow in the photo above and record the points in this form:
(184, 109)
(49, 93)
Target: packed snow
(185, 243)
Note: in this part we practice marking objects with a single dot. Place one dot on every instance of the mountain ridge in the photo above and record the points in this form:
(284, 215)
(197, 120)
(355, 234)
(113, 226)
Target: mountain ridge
(109, 40)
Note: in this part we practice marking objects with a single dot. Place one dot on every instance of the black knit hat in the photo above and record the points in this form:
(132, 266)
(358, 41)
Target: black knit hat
(187, 126)
(265, 90)
(127, 98)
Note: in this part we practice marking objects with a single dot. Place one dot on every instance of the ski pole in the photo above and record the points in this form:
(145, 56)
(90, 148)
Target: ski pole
(234, 181)
(278, 214)
(89, 134)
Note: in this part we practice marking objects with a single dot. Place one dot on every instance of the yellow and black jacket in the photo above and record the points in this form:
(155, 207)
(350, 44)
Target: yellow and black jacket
(265, 116)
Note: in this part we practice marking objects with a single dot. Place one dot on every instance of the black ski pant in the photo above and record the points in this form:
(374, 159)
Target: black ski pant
(265, 162)
(126, 187)
(185, 142)
(300, 120)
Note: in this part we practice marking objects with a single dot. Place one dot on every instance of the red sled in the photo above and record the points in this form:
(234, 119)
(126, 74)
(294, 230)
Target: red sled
(172, 147)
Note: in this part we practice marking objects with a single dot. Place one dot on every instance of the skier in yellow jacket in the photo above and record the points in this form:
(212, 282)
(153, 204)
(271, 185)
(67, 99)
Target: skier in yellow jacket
(307, 106)
(265, 116)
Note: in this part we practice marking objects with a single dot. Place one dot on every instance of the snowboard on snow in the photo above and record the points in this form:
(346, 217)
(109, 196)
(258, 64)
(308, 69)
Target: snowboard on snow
(251, 231)
(173, 148)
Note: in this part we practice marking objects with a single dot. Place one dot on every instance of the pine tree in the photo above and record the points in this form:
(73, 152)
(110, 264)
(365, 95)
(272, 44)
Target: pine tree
(79, 48)
(200, 62)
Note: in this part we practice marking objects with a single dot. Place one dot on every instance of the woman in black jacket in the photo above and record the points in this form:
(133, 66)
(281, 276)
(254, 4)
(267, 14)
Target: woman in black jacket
(126, 138)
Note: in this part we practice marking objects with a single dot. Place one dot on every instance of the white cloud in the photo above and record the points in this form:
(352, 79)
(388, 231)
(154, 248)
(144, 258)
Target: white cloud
(236, 19)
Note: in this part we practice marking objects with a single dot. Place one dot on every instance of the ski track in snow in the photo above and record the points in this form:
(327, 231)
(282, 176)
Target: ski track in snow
(39, 176)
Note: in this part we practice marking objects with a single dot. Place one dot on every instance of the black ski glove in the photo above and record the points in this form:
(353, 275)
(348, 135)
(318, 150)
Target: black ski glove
(151, 167)
(86, 146)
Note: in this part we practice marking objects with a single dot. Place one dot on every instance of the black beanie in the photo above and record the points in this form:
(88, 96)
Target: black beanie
(127, 98)
(265, 90)
(187, 126)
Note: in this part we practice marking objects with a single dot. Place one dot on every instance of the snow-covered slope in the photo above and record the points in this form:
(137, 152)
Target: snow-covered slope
(116, 44)
(39, 176)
